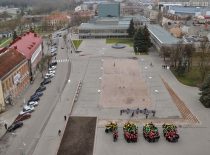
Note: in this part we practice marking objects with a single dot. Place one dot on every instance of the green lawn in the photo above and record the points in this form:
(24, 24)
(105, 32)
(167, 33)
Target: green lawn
(191, 78)
(77, 43)
(5, 41)
(127, 41)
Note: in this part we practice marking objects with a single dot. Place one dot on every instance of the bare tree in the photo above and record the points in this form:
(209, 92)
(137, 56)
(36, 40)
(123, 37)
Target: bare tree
(204, 46)
(176, 54)
(189, 49)
(165, 52)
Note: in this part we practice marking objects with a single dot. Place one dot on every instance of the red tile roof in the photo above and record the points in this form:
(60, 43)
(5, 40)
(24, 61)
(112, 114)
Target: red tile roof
(8, 60)
(27, 44)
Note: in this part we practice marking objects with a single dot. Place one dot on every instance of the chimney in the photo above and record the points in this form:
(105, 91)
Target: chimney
(15, 47)
(35, 35)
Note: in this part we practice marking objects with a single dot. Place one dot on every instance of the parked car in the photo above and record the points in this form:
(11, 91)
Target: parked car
(41, 88)
(53, 50)
(46, 81)
(53, 54)
(49, 76)
(25, 111)
(26, 107)
(51, 69)
(52, 72)
(14, 126)
(22, 117)
(38, 93)
(53, 64)
(33, 103)
(34, 98)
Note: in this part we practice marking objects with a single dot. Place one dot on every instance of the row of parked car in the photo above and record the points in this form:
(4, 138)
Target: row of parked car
(29, 107)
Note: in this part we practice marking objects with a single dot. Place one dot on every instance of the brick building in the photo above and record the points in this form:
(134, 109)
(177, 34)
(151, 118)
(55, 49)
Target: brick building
(14, 76)
(57, 20)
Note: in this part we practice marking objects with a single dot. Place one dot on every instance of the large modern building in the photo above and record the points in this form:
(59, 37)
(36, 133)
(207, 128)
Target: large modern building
(105, 28)
(193, 11)
(110, 27)
(14, 76)
(197, 3)
(109, 9)
(160, 37)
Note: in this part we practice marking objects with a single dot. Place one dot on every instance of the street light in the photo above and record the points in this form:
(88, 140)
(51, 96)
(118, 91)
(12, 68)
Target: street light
(22, 148)
(156, 92)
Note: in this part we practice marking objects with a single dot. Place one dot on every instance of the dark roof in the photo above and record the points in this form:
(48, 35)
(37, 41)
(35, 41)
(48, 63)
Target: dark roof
(8, 60)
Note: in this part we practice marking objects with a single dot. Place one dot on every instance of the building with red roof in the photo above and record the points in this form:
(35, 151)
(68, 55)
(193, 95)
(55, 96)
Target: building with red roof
(31, 46)
(57, 20)
(14, 76)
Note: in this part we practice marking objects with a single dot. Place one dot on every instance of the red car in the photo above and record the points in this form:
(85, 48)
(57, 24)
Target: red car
(23, 117)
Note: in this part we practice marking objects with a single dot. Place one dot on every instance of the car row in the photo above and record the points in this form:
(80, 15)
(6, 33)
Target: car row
(28, 108)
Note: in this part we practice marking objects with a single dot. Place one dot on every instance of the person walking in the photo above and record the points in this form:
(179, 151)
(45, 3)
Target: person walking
(65, 117)
(59, 132)
(5, 125)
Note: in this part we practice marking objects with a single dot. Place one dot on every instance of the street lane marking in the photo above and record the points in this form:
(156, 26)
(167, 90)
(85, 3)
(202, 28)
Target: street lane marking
(61, 60)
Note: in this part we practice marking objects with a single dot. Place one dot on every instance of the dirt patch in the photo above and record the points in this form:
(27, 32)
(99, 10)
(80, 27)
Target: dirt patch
(78, 138)
(123, 84)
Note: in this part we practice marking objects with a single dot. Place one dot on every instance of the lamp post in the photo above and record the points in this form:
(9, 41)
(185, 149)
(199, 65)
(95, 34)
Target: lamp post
(156, 93)
(23, 144)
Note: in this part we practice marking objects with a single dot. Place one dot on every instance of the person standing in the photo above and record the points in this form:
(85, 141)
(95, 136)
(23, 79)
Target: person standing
(5, 125)
(65, 117)
(59, 132)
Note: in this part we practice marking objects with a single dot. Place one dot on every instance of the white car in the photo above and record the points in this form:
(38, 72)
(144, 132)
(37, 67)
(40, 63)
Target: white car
(53, 50)
(49, 74)
(52, 72)
(52, 68)
(33, 103)
(26, 107)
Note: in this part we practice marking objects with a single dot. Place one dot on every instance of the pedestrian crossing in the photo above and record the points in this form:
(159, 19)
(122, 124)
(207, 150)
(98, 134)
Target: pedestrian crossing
(61, 60)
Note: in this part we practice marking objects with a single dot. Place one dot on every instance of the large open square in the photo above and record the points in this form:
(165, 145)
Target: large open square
(123, 85)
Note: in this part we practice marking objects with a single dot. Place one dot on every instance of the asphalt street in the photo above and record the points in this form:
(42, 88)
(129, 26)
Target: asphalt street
(24, 140)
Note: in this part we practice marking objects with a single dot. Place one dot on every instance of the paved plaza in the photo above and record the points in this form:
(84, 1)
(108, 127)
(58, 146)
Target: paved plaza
(122, 85)
(103, 81)
(173, 102)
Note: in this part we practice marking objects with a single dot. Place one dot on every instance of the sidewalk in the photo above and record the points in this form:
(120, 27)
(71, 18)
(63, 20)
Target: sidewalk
(12, 111)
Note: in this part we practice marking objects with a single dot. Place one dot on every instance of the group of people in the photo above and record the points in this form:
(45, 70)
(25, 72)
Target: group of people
(165, 67)
(137, 111)
(59, 131)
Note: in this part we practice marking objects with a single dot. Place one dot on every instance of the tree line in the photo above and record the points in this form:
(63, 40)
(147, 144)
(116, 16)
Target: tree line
(181, 59)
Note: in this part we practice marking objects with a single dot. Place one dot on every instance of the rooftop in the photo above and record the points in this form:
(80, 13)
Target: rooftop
(8, 60)
(27, 44)
(162, 35)
(92, 26)
(107, 23)
(184, 9)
